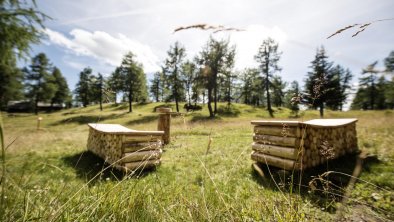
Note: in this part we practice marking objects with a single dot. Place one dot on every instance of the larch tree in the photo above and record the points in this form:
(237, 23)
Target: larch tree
(115, 83)
(189, 73)
(389, 62)
(84, 86)
(172, 69)
(268, 57)
(389, 93)
(62, 94)
(156, 86)
(215, 58)
(368, 81)
(278, 90)
(292, 98)
(20, 26)
(251, 87)
(40, 83)
(317, 82)
(134, 79)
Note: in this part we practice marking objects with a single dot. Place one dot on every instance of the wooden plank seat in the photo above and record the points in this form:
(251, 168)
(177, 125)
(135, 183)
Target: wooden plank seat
(124, 148)
(299, 145)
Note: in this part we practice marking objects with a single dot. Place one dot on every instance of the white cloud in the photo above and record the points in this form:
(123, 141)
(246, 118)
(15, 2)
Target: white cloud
(105, 47)
(249, 41)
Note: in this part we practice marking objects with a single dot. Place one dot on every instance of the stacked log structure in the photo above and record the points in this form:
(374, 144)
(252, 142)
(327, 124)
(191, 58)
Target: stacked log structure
(124, 148)
(299, 145)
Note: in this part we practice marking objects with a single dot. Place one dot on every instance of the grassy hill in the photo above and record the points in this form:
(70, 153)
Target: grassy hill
(51, 176)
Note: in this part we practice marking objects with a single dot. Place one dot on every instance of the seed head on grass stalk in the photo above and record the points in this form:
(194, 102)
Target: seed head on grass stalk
(360, 27)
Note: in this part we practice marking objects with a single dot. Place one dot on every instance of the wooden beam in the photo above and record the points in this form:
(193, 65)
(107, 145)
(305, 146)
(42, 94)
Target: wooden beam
(140, 146)
(164, 123)
(278, 131)
(284, 152)
(141, 156)
(275, 161)
(277, 140)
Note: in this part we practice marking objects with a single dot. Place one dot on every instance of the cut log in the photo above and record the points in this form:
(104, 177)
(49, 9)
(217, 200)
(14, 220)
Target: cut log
(141, 156)
(285, 152)
(164, 123)
(259, 171)
(275, 123)
(141, 139)
(275, 161)
(140, 146)
(278, 131)
(277, 140)
(142, 165)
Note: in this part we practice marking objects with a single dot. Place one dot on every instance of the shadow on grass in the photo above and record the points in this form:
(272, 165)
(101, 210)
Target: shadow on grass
(198, 117)
(315, 183)
(84, 119)
(144, 119)
(229, 111)
(90, 167)
(120, 106)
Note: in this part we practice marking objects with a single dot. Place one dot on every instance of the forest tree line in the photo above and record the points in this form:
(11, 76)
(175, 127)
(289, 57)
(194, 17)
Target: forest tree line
(208, 78)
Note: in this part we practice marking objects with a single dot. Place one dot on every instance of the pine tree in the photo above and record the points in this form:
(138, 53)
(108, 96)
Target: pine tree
(11, 87)
(216, 57)
(317, 82)
(251, 87)
(83, 87)
(380, 96)
(20, 26)
(115, 83)
(389, 62)
(278, 87)
(134, 79)
(99, 88)
(292, 98)
(389, 92)
(189, 73)
(369, 83)
(268, 57)
(62, 94)
(172, 70)
(40, 83)
(156, 86)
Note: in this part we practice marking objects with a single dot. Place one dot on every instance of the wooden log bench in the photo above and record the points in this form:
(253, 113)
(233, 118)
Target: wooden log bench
(126, 149)
(299, 145)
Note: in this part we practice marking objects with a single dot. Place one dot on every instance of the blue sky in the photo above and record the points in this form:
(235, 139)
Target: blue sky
(98, 33)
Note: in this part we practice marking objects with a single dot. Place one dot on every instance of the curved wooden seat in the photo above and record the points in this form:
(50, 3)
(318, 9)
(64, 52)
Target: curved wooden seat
(125, 148)
(299, 145)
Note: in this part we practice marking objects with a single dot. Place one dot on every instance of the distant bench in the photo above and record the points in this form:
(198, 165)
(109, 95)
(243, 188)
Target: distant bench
(124, 148)
(300, 145)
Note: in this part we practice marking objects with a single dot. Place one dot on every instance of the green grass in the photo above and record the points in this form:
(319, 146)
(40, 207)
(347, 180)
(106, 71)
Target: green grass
(50, 176)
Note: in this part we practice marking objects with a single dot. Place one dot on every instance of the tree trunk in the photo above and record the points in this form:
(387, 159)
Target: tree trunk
(188, 95)
(229, 94)
(130, 101)
(101, 100)
(372, 95)
(268, 96)
(321, 110)
(215, 92)
(176, 97)
(203, 97)
(36, 106)
(211, 113)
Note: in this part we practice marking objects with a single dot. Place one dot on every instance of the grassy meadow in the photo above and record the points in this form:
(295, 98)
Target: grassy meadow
(49, 175)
